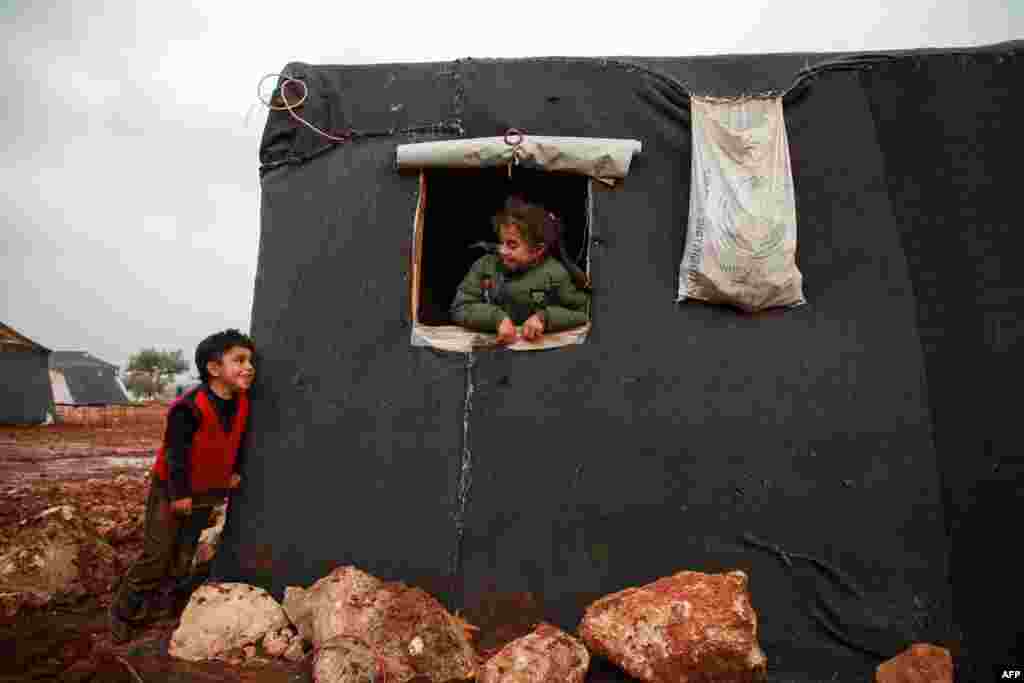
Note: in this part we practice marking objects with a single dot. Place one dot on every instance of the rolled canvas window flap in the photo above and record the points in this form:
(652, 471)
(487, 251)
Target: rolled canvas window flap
(741, 234)
(604, 159)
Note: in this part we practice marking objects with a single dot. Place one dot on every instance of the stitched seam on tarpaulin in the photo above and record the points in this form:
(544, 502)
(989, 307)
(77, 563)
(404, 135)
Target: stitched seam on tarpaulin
(464, 483)
(802, 80)
(846, 62)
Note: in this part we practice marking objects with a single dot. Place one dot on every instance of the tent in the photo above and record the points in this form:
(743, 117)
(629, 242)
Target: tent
(80, 379)
(25, 396)
(853, 455)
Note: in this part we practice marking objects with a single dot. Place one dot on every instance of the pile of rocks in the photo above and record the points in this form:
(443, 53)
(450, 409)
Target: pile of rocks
(357, 626)
(361, 629)
(690, 626)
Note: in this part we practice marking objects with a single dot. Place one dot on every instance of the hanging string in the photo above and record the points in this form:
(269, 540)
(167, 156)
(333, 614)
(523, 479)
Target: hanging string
(449, 127)
(516, 151)
(290, 107)
(247, 119)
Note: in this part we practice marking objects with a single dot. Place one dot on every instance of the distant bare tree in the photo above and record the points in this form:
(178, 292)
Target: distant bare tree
(150, 371)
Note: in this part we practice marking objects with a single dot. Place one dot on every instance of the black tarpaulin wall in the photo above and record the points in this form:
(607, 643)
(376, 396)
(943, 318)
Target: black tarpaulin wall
(953, 179)
(25, 394)
(679, 436)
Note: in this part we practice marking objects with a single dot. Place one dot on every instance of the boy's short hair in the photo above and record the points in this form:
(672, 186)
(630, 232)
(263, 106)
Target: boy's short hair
(213, 347)
(528, 218)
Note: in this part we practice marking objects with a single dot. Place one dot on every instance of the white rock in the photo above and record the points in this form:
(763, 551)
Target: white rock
(225, 616)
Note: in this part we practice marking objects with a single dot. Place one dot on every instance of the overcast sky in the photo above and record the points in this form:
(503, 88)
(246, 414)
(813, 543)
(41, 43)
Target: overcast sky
(129, 209)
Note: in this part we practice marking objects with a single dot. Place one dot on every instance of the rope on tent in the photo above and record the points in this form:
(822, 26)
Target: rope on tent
(291, 106)
(516, 146)
(348, 134)
(464, 483)
(840, 637)
(787, 558)
(816, 612)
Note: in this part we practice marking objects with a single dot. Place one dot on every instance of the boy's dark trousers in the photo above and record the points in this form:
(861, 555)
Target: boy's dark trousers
(168, 549)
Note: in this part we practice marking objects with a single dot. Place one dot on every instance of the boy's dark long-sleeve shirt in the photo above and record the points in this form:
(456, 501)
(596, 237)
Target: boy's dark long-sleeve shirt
(182, 424)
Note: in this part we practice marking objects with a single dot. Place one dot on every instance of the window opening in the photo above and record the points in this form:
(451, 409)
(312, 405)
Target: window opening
(454, 213)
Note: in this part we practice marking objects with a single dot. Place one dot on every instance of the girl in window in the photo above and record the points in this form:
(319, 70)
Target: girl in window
(529, 282)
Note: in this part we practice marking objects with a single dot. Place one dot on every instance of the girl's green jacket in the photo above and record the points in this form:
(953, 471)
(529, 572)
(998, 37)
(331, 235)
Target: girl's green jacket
(490, 292)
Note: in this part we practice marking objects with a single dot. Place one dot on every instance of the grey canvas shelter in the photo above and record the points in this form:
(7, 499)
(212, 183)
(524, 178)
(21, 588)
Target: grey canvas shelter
(25, 396)
(857, 456)
(88, 379)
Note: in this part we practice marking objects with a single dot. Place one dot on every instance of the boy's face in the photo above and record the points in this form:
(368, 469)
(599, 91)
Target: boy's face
(515, 252)
(234, 370)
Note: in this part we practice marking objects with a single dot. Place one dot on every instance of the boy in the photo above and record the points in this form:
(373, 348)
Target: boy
(529, 282)
(198, 463)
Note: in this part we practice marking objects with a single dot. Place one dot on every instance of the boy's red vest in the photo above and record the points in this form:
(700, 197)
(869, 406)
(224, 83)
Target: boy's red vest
(213, 451)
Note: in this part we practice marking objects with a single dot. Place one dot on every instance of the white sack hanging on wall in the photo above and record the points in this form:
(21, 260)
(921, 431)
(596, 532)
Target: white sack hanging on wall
(741, 234)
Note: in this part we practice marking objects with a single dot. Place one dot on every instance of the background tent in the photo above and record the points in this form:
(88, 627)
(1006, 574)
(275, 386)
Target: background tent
(867, 430)
(25, 396)
(85, 379)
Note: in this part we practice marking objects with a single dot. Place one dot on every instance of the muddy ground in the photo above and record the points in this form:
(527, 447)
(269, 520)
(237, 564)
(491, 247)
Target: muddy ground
(96, 461)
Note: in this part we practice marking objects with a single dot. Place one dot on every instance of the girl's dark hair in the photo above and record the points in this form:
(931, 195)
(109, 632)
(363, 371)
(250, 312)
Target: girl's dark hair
(213, 347)
(539, 227)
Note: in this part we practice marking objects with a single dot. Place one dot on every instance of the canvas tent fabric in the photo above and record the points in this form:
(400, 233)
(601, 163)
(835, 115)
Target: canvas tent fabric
(822, 449)
(25, 396)
(88, 379)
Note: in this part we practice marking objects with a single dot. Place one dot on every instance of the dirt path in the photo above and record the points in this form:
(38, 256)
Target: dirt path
(36, 464)
(74, 646)
(76, 450)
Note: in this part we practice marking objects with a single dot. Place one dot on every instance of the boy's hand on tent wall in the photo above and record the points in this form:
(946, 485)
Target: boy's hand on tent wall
(533, 328)
(182, 507)
(506, 331)
(235, 481)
